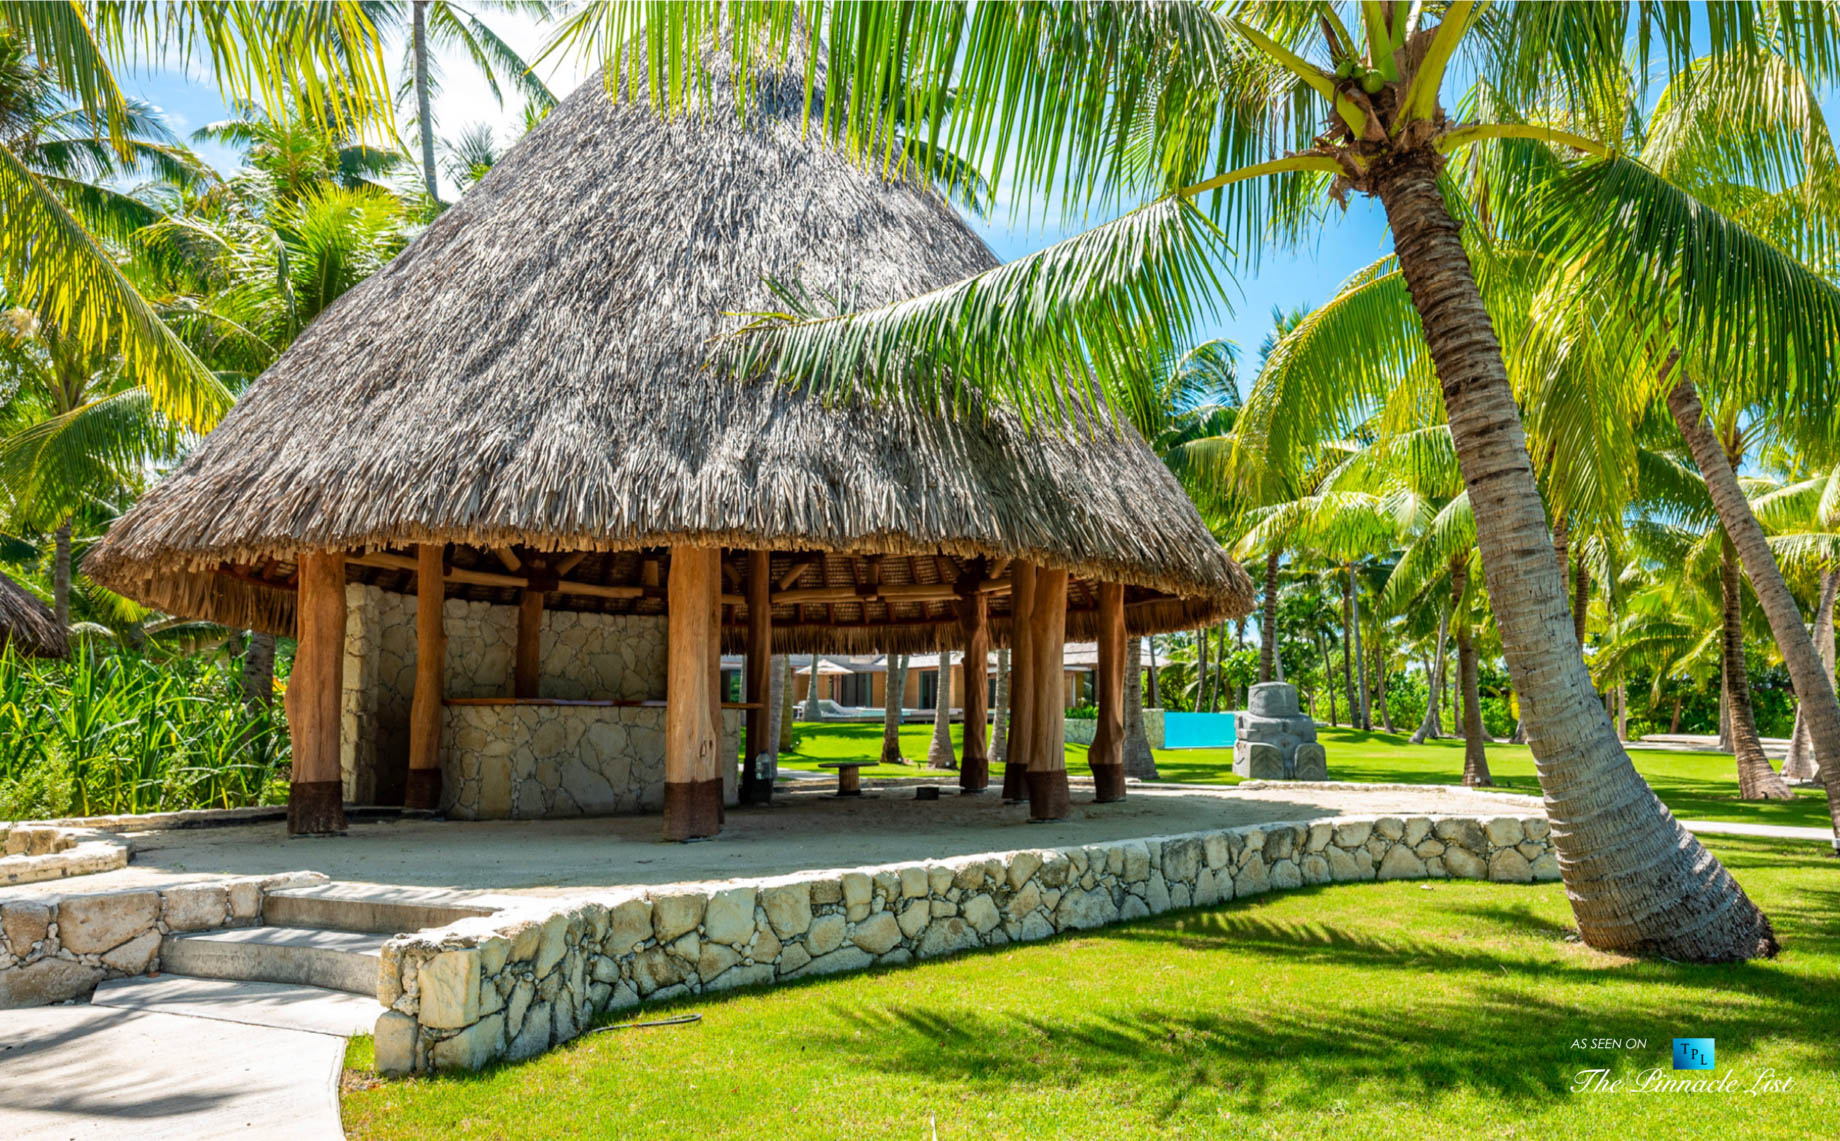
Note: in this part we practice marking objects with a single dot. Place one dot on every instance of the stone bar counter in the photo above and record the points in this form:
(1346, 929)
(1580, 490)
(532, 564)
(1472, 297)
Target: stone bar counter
(538, 758)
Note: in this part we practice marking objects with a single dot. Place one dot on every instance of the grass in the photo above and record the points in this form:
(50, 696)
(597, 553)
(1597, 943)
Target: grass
(1697, 786)
(1370, 1010)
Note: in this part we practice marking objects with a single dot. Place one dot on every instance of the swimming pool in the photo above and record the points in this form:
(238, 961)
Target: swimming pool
(1197, 730)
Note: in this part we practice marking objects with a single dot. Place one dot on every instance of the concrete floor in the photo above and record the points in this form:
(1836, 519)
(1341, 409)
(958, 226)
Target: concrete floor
(802, 830)
(97, 1073)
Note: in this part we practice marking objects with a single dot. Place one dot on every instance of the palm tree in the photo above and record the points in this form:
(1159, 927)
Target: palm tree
(304, 149)
(939, 753)
(894, 690)
(1172, 104)
(51, 260)
(1804, 520)
(441, 24)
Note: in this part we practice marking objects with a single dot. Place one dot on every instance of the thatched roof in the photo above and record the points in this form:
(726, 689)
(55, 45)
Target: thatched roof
(28, 625)
(533, 372)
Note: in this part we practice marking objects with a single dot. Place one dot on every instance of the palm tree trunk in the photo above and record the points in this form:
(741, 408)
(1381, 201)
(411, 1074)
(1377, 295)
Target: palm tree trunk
(1800, 763)
(1434, 692)
(1156, 694)
(1475, 755)
(939, 754)
(894, 692)
(1348, 643)
(1581, 599)
(1360, 659)
(258, 672)
(1139, 761)
(1268, 621)
(1328, 667)
(786, 693)
(999, 734)
(1674, 722)
(814, 710)
(1379, 679)
(60, 577)
(1201, 677)
(1814, 684)
(1637, 881)
(1756, 779)
(1725, 745)
(424, 109)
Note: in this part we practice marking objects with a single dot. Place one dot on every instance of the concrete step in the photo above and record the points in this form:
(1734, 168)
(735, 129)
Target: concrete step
(282, 1006)
(339, 960)
(377, 908)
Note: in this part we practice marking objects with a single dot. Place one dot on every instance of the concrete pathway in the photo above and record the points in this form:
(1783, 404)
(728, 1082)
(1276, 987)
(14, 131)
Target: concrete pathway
(1770, 831)
(77, 1073)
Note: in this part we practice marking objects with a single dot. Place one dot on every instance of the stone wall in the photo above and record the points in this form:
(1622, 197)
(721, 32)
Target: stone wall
(53, 950)
(35, 853)
(1080, 730)
(513, 984)
(584, 656)
(532, 761)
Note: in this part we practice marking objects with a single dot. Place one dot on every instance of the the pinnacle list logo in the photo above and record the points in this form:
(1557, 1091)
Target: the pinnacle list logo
(1693, 1054)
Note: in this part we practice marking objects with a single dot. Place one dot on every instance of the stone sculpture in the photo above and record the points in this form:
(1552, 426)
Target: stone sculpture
(1273, 741)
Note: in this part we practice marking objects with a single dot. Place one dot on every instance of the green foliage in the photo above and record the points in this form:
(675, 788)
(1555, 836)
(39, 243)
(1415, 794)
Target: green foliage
(114, 732)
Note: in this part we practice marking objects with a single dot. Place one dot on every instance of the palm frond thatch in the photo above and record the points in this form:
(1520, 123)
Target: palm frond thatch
(540, 370)
(27, 625)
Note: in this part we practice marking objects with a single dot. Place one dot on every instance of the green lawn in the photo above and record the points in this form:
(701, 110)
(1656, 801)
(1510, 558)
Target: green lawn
(1370, 1010)
(1697, 786)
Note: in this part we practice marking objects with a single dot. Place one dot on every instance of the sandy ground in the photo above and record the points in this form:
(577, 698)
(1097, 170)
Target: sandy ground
(802, 830)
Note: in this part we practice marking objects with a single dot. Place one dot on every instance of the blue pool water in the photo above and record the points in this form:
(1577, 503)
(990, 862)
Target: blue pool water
(1197, 730)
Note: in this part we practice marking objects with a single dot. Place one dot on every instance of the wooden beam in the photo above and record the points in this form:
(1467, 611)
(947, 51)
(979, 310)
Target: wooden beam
(527, 666)
(425, 709)
(1021, 684)
(892, 593)
(756, 785)
(1107, 753)
(798, 567)
(974, 758)
(1047, 774)
(692, 769)
(569, 562)
(508, 558)
(316, 797)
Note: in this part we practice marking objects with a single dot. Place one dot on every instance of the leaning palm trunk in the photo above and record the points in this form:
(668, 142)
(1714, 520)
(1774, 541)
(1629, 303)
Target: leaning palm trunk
(1756, 779)
(894, 692)
(814, 708)
(939, 754)
(1475, 756)
(1800, 763)
(1268, 621)
(1431, 727)
(1637, 881)
(1814, 685)
(1156, 695)
(258, 672)
(999, 735)
(1139, 761)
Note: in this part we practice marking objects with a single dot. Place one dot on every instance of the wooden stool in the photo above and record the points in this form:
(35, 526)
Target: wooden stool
(849, 776)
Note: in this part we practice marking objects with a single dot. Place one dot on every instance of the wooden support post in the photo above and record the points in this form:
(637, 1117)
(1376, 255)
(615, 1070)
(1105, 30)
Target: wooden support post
(316, 798)
(1107, 753)
(527, 666)
(692, 762)
(1047, 775)
(756, 783)
(973, 623)
(1021, 683)
(426, 710)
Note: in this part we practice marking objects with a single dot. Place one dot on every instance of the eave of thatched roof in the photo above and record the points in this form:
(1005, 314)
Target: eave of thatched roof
(27, 625)
(535, 371)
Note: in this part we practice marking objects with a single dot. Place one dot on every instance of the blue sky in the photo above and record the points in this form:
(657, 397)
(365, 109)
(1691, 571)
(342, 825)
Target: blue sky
(1288, 279)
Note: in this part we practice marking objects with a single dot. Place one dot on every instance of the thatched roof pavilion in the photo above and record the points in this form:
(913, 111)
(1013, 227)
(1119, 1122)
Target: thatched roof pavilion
(27, 625)
(524, 402)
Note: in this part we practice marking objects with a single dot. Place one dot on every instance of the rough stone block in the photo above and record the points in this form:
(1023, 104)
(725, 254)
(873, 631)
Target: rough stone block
(826, 935)
(553, 944)
(1252, 878)
(1401, 863)
(25, 923)
(91, 924)
(534, 1037)
(858, 890)
(981, 912)
(1504, 831)
(450, 989)
(1464, 864)
(134, 956)
(788, 908)
(1022, 867)
(394, 1049)
(878, 934)
(628, 925)
(195, 907)
(1353, 834)
(45, 982)
(1258, 760)
(946, 936)
(1509, 866)
(1182, 859)
(1272, 699)
(838, 961)
(729, 917)
(1083, 909)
